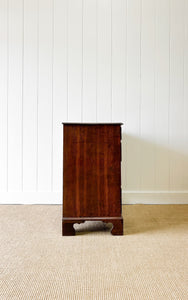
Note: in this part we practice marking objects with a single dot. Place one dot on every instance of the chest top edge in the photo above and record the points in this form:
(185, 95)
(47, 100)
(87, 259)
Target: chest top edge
(74, 123)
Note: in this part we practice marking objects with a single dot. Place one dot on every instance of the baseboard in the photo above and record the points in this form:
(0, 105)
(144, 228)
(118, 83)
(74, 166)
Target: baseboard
(128, 197)
(155, 197)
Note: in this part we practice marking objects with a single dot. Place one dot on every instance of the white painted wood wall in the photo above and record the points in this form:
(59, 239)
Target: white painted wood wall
(94, 60)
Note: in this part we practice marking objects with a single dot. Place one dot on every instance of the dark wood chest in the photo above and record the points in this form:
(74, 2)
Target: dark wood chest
(91, 175)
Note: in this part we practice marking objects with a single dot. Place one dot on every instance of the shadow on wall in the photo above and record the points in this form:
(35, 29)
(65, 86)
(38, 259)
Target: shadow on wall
(152, 166)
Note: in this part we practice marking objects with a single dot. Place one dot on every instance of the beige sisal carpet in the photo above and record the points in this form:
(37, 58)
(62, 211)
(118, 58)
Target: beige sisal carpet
(149, 262)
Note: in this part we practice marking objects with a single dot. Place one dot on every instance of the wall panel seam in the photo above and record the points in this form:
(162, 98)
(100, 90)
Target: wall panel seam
(67, 57)
(22, 108)
(82, 106)
(111, 60)
(96, 60)
(169, 100)
(52, 104)
(140, 100)
(7, 163)
(37, 107)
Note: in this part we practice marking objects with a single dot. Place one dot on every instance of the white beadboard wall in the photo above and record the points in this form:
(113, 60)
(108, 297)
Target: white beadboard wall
(94, 61)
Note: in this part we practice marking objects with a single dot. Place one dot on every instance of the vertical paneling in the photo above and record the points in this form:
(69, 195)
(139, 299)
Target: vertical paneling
(132, 121)
(75, 57)
(176, 109)
(104, 71)
(30, 78)
(162, 94)
(119, 15)
(3, 92)
(89, 59)
(45, 99)
(118, 67)
(147, 106)
(86, 61)
(185, 94)
(15, 36)
(59, 87)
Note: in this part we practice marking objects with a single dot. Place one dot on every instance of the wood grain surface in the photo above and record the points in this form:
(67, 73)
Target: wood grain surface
(92, 171)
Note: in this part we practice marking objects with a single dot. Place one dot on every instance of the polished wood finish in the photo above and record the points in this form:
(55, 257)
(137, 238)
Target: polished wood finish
(92, 175)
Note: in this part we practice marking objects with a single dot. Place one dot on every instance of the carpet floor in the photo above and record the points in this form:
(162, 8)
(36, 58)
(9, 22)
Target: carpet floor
(149, 262)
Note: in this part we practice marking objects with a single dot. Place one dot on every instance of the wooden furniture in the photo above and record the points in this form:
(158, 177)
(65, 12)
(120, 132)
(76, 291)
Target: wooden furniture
(92, 175)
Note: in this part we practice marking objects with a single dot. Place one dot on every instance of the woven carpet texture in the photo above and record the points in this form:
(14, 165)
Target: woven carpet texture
(149, 262)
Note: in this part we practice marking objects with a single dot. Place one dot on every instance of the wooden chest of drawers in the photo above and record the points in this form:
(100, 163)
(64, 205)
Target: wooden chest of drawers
(92, 175)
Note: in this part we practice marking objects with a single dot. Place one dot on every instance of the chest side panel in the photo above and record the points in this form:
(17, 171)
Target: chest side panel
(91, 171)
